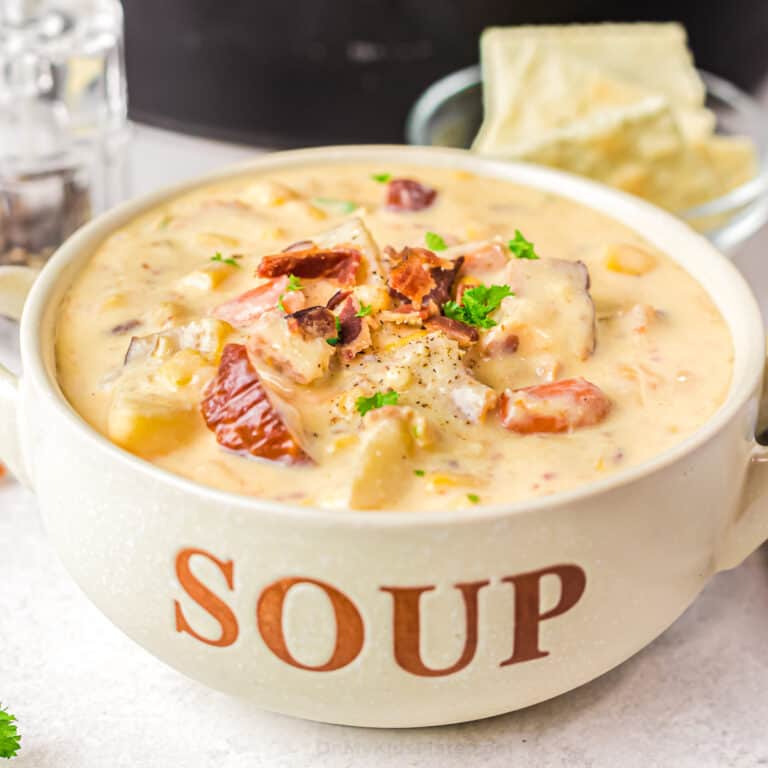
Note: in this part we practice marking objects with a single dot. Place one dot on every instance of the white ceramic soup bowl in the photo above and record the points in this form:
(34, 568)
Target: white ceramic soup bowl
(391, 619)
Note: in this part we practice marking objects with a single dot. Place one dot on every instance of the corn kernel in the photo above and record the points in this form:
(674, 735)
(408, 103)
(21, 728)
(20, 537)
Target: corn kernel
(269, 193)
(442, 482)
(166, 314)
(179, 370)
(113, 301)
(273, 233)
(207, 278)
(476, 232)
(404, 340)
(629, 259)
(342, 443)
(217, 240)
(314, 212)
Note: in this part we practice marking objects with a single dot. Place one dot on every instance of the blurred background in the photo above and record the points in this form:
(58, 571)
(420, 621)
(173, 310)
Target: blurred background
(101, 100)
(299, 72)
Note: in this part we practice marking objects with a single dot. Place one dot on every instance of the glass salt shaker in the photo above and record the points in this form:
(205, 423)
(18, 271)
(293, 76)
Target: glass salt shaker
(63, 129)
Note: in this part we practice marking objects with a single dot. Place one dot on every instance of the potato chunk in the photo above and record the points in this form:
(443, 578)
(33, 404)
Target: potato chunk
(206, 336)
(629, 259)
(207, 277)
(386, 446)
(289, 352)
(147, 422)
(548, 324)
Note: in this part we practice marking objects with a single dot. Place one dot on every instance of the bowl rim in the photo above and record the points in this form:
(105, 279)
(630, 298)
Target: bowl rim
(67, 262)
(733, 201)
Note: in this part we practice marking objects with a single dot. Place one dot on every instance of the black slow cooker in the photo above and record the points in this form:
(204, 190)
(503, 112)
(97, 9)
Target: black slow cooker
(300, 72)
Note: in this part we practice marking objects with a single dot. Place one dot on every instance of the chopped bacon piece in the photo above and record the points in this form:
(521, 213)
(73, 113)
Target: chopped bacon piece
(453, 329)
(340, 264)
(249, 306)
(314, 323)
(556, 407)
(503, 345)
(409, 195)
(128, 325)
(355, 331)
(406, 314)
(491, 257)
(236, 407)
(337, 299)
(419, 276)
(300, 245)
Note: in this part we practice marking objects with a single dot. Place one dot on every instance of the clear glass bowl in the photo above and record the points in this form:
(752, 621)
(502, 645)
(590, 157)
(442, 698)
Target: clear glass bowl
(450, 111)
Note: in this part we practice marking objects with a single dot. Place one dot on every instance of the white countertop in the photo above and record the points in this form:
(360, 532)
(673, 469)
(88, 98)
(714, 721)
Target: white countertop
(87, 697)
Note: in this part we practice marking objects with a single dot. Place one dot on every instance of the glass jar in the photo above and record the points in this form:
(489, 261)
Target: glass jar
(63, 129)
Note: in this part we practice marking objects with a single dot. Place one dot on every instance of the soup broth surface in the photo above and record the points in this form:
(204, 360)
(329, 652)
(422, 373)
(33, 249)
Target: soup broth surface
(412, 354)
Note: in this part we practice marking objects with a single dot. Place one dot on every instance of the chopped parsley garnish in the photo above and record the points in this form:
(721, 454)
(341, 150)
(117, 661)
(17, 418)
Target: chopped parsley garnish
(380, 399)
(382, 178)
(337, 338)
(474, 498)
(365, 309)
(10, 740)
(522, 248)
(230, 261)
(435, 242)
(419, 472)
(345, 206)
(477, 304)
(294, 283)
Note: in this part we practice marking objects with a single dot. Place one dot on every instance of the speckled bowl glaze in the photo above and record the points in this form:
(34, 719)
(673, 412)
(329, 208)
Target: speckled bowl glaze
(400, 619)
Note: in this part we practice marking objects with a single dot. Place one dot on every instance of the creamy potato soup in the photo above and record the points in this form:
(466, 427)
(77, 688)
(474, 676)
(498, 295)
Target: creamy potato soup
(402, 338)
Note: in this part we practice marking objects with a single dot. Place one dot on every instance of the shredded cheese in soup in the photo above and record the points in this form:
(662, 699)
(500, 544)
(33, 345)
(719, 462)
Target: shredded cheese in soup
(402, 338)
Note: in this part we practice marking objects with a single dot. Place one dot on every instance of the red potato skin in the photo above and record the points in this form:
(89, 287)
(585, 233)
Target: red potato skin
(238, 410)
(560, 406)
(249, 306)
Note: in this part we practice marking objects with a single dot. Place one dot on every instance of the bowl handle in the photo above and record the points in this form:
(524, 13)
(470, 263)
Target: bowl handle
(750, 529)
(15, 284)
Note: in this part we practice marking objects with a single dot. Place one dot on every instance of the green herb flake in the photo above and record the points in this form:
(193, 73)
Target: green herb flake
(380, 399)
(232, 262)
(344, 206)
(419, 472)
(522, 248)
(165, 221)
(10, 740)
(294, 283)
(474, 498)
(337, 338)
(477, 304)
(382, 178)
(365, 309)
(434, 242)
